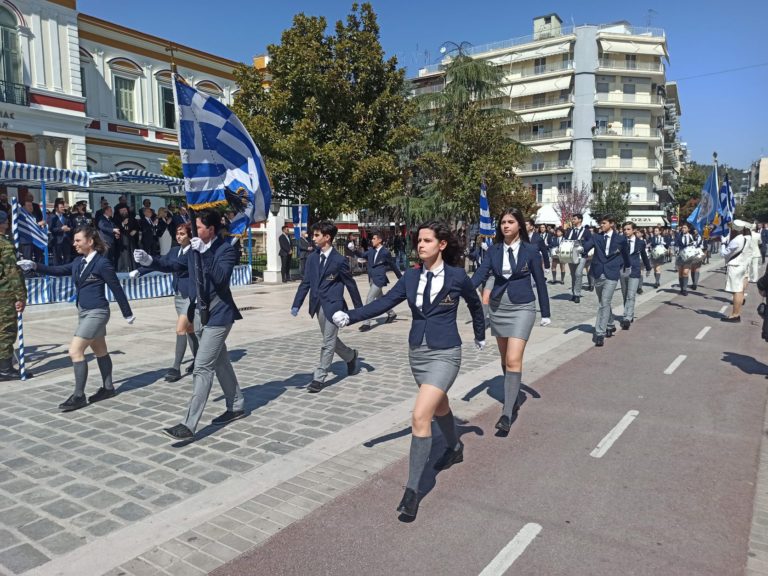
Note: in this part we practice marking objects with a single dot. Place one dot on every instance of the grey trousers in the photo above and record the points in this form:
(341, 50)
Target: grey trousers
(374, 293)
(212, 357)
(604, 288)
(628, 294)
(331, 344)
(577, 275)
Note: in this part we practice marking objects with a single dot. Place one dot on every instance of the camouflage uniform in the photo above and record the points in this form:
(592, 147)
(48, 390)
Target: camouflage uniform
(12, 290)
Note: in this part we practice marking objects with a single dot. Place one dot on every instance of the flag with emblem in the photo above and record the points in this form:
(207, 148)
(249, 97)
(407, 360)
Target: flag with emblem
(486, 222)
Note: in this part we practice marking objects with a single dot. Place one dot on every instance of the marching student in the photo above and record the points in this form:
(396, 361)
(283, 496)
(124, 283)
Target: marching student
(611, 253)
(554, 245)
(218, 259)
(698, 242)
(90, 272)
(631, 278)
(538, 241)
(433, 294)
(511, 262)
(177, 259)
(578, 232)
(379, 260)
(683, 240)
(325, 276)
(658, 261)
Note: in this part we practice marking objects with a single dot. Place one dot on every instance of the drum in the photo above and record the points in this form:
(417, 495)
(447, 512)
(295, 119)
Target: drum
(570, 251)
(658, 252)
(554, 253)
(690, 255)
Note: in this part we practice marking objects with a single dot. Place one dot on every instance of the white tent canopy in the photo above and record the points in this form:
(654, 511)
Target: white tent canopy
(547, 215)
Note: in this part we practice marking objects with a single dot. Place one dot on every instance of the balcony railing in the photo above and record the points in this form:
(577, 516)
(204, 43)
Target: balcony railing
(634, 132)
(612, 64)
(619, 98)
(535, 136)
(630, 163)
(547, 68)
(551, 101)
(631, 30)
(544, 166)
(13, 93)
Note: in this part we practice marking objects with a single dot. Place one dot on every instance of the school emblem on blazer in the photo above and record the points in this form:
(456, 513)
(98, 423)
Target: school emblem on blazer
(448, 301)
(525, 268)
(91, 278)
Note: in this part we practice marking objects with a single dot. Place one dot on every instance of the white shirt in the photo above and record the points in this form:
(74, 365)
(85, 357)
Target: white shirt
(733, 247)
(88, 259)
(608, 242)
(437, 284)
(376, 254)
(631, 244)
(326, 253)
(506, 265)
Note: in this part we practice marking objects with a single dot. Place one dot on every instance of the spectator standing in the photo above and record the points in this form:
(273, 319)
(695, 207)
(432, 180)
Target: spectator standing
(285, 253)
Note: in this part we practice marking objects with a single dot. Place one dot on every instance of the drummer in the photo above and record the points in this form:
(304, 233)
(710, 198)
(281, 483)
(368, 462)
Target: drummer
(698, 242)
(658, 254)
(581, 233)
(554, 248)
(684, 240)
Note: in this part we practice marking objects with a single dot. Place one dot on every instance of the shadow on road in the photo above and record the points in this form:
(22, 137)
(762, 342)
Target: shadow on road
(34, 355)
(139, 380)
(746, 364)
(710, 313)
(586, 328)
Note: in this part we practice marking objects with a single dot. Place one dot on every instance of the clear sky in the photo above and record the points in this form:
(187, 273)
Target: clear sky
(723, 109)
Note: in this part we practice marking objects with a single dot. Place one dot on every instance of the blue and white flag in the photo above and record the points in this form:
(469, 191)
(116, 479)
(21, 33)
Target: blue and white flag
(486, 222)
(29, 230)
(300, 217)
(705, 211)
(221, 164)
(725, 208)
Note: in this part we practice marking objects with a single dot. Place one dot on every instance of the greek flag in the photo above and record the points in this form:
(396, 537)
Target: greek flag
(725, 207)
(708, 206)
(29, 230)
(221, 164)
(486, 222)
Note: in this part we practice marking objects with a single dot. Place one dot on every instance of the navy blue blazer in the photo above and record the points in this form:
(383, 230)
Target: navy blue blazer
(681, 241)
(178, 262)
(377, 266)
(327, 291)
(518, 286)
(554, 241)
(90, 284)
(59, 236)
(657, 240)
(634, 258)
(106, 230)
(438, 321)
(217, 263)
(538, 241)
(572, 234)
(611, 264)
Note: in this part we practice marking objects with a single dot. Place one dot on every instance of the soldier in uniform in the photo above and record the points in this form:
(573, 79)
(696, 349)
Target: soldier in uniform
(13, 298)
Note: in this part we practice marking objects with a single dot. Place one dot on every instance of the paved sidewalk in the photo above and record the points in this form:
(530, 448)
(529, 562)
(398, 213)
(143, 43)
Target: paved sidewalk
(104, 478)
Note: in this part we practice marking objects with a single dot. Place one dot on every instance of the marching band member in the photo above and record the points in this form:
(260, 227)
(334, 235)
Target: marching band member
(658, 261)
(538, 241)
(554, 245)
(90, 272)
(683, 240)
(433, 294)
(582, 233)
(631, 278)
(698, 242)
(379, 260)
(511, 263)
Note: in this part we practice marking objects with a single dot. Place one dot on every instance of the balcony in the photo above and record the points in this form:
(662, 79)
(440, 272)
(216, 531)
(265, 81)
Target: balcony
(626, 30)
(644, 98)
(625, 132)
(547, 68)
(547, 166)
(611, 64)
(548, 135)
(12, 93)
(628, 164)
(517, 106)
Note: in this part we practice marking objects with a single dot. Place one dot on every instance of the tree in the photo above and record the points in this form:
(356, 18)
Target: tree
(172, 166)
(610, 200)
(334, 116)
(756, 206)
(572, 201)
(692, 178)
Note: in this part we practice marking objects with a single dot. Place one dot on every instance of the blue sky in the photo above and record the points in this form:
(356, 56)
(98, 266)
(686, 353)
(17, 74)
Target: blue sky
(726, 110)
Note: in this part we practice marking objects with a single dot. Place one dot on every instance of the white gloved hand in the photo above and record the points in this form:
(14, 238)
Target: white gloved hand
(479, 344)
(198, 245)
(142, 258)
(131, 319)
(546, 321)
(133, 274)
(26, 265)
(341, 319)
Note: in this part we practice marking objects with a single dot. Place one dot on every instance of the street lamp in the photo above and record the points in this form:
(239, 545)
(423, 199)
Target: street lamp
(274, 206)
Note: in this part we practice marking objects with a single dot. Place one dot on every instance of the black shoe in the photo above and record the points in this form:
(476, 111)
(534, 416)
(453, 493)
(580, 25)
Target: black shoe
(589, 288)
(693, 286)
(599, 341)
(625, 324)
(315, 386)
(353, 366)
(639, 290)
(191, 368)
(228, 417)
(179, 432)
(576, 299)
(656, 285)
(101, 394)
(390, 319)
(450, 457)
(365, 328)
(73, 403)
(409, 505)
(731, 319)
(684, 292)
(503, 424)
(609, 331)
(172, 375)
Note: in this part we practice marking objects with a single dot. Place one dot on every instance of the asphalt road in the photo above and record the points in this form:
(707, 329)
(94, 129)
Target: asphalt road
(672, 495)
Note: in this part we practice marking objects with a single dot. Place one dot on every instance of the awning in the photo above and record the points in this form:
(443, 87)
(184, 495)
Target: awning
(135, 182)
(628, 47)
(545, 115)
(551, 147)
(18, 174)
(547, 215)
(561, 48)
(529, 88)
(647, 217)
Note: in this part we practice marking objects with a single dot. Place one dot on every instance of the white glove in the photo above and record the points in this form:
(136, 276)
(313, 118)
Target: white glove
(133, 274)
(131, 319)
(546, 321)
(198, 245)
(479, 344)
(579, 249)
(26, 265)
(341, 319)
(142, 258)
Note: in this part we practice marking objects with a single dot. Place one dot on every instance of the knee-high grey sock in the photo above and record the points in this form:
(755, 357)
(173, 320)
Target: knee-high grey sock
(658, 278)
(683, 282)
(193, 342)
(511, 391)
(447, 425)
(181, 347)
(417, 461)
(695, 278)
(105, 367)
(554, 275)
(81, 376)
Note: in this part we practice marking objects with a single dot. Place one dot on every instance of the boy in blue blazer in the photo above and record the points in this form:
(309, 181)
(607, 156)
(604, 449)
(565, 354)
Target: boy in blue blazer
(379, 261)
(325, 276)
(631, 277)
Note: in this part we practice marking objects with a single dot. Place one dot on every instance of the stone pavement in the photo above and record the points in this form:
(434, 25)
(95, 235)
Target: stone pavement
(75, 485)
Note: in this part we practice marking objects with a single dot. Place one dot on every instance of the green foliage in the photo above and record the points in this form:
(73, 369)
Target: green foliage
(610, 200)
(334, 117)
(172, 166)
(755, 207)
(692, 178)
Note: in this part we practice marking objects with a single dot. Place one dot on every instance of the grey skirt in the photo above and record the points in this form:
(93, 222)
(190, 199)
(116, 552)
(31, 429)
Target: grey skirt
(438, 367)
(182, 304)
(92, 323)
(510, 320)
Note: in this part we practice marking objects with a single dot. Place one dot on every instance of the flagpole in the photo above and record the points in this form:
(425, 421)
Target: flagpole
(19, 317)
(717, 182)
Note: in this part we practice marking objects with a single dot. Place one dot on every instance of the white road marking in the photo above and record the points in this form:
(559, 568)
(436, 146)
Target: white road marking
(700, 335)
(723, 309)
(675, 364)
(512, 551)
(606, 443)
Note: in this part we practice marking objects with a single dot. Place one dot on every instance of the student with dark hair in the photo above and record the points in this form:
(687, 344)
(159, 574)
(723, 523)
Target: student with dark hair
(581, 233)
(90, 272)
(285, 253)
(217, 261)
(61, 227)
(631, 278)
(325, 277)
(554, 246)
(433, 294)
(378, 261)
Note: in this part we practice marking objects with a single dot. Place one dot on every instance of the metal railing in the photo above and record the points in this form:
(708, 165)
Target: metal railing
(642, 98)
(13, 93)
(547, 68)
(627, 30)
(535, 136)
(634, 132)
(544, 166)
(551, 101)
(631, 163)
(614, 64)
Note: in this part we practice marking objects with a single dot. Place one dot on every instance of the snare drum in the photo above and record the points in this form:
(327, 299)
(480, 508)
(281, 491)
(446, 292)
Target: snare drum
(554, 253)
(658, 252)
(570, 251)
(688, 256)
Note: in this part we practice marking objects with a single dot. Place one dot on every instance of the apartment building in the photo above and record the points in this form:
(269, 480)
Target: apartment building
(592, 101)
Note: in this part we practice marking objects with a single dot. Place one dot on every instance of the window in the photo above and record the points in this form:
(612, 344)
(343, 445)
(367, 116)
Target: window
(629, 88)
(538, 189)
(539, 65)
(564, 187)
(600, 153)
(628, 126)
(625, 157)
(167, 108)
(565, 124)
(124, 98)
(538, 129)
(631, 61)
(10, 56)
(539, 99)
(602, 87)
